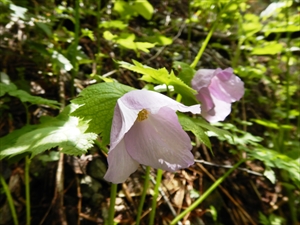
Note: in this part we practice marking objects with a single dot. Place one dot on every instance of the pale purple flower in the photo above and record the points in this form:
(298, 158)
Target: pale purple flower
(217, 89)
(145, 130)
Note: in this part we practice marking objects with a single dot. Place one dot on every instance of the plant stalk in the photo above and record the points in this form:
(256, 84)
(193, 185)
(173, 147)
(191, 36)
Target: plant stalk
(9, 200)
(113, 195)
(204, 45)
(143, 197)
(155, 195)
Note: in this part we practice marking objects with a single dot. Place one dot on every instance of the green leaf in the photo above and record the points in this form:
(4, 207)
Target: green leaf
(159, 39)
(127, 41)
(123, 8)
(160, 76)
(45, 27)
(144, 46)
(251, 26)
(118, 24)
(144, 8)
(61, 61)
(109, 36)
(138, 7)
(193, 125)
(270, 174)
(64, 131)
(88, 33)
(185, 72)
(275, 159)
(26, 97)
(271, 124)
(268, 48)
(97, 103)
(219, 132)
(5, 88)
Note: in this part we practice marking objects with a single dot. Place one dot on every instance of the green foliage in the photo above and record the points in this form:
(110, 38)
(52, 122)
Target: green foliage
(137, 7)
(64, 131)
(245, 141)
(199, 127)
(160, 76)
(271, 220)
(128, 41)
(12, 90)
(193, 125)
(96, 105)
(185, 72)
(275, 159)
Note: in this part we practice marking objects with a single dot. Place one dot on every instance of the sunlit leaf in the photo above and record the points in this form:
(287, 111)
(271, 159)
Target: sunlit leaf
(97, 103)
(123, 8)
(159, 39)
(144, 8)
(108, 35)
(268, 48)
(160, 76)
(61, 61)
(18, 11)
(64, 131)
(114, 24)
(88, 33)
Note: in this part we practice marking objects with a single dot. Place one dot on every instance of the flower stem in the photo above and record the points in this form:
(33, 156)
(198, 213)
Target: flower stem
(155, 195)
(142, 200)
(111, 213)
(27, 189)
(205, 194)
(9, 200)
(196, 60)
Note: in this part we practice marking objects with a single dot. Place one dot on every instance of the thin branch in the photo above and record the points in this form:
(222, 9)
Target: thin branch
(228, 167)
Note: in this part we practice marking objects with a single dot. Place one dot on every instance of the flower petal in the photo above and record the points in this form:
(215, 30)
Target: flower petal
(120, 164)
(221, 110)
(225, 74)
(123, 120)
(159, 141)
(202, 78)
(153, 102)
(229, 89)
(206, 100)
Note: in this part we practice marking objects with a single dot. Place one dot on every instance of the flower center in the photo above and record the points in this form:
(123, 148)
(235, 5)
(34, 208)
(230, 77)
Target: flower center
(143, 114)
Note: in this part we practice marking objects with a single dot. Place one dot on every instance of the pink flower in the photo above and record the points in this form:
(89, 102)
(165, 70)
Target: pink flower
(145, 130)
(217, 89)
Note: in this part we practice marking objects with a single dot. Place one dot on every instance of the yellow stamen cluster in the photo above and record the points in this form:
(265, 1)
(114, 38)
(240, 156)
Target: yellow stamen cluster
(143, 114)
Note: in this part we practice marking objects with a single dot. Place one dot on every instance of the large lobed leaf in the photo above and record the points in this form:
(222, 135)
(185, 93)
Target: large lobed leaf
(64, 131)
(97, 103)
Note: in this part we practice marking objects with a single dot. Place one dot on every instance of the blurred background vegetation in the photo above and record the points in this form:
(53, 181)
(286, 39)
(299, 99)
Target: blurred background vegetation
(51, 50)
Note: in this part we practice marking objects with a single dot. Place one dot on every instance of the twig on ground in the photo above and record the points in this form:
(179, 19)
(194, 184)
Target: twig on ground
(228, 167)
(245, 214)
